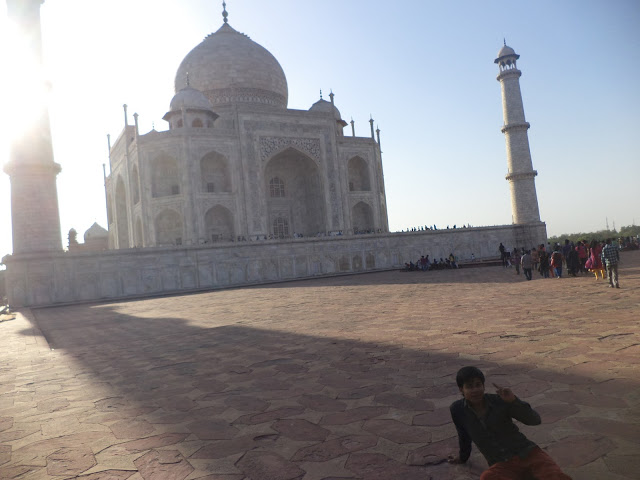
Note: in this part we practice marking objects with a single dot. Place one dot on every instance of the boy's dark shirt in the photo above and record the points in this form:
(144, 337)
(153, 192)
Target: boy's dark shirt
(495, 434)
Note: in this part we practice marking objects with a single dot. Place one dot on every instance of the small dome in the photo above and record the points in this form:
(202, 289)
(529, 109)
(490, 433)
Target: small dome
(95, 231)
(229, 67)
(326, 107)
(506, 50)
(189, 97)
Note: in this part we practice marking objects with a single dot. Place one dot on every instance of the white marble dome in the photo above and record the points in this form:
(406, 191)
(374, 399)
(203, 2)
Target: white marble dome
(324, 106)
(189, 97)
(506, 50)
(95, 231)
(229, 67)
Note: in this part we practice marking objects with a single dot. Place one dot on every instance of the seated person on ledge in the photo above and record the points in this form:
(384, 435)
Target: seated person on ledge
(486, 420)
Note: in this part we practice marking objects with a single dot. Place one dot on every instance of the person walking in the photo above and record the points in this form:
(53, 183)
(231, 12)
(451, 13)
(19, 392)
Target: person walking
(527, 263)
(544, 262)
(516, 259)
(611, 258)
(556, 261)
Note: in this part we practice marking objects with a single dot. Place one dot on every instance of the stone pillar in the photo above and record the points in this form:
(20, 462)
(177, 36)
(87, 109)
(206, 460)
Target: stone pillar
(521, 175)
(35, 216)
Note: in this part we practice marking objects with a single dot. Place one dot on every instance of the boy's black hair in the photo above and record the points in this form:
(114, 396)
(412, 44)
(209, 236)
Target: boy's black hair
(466, 374)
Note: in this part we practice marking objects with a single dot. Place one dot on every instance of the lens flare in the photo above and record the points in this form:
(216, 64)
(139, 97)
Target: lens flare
(23, 91)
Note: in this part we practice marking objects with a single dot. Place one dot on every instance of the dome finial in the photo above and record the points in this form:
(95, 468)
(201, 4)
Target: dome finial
(320, 94)
(224, 12)
(504, 41)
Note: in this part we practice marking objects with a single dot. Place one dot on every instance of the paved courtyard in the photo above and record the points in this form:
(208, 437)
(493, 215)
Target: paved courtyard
(342, 378)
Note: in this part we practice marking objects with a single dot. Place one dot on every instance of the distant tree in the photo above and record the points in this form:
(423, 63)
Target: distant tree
(628, 231)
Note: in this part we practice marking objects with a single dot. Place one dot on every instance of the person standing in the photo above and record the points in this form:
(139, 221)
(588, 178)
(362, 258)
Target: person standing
(535, 258)
(527, 263)
(556, 261)
(594, 263)
(544, 262)
(515, 259)
(581, 248)
(610, 258)
(503, 254)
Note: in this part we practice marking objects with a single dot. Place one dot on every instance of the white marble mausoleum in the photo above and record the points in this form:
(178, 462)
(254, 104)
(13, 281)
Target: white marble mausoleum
(238, 190)
(236, 164)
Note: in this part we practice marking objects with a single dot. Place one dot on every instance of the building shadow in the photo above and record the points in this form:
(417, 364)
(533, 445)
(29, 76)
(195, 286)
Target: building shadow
(227, 370)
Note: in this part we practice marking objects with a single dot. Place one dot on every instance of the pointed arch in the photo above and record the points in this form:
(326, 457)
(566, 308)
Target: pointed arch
(219, 224)
(135, 185)
(215, 173)
(138, 233)
(302, 204)
(359, 178)
(168, 227)
(362, 218)
(110, 209)
(165, 176)
(122, 214)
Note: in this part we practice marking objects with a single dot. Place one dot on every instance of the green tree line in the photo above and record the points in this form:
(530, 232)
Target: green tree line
(628, 231)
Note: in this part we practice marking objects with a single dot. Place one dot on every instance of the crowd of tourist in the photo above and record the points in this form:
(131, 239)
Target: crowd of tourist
(424, 264)
(425, 228)
(574, 258)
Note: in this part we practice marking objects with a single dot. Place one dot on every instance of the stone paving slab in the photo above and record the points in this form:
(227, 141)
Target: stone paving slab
(344, 378)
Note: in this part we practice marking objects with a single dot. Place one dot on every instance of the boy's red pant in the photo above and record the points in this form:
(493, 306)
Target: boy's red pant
(538, 465)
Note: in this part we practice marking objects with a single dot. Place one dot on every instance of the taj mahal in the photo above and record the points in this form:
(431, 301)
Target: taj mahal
(238, 189)
(236, 163)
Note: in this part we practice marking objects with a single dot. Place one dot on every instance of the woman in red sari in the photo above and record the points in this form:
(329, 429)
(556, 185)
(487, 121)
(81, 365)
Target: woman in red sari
(594, 263)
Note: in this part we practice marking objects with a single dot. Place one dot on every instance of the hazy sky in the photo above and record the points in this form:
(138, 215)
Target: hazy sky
(424, 70)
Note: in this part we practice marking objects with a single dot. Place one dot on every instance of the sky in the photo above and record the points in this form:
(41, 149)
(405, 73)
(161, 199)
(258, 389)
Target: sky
(422, 69)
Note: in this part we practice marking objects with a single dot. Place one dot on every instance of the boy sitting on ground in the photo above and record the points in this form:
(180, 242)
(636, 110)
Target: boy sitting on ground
(486, 419)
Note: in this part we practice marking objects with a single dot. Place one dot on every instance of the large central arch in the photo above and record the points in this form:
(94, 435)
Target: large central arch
(299, 196)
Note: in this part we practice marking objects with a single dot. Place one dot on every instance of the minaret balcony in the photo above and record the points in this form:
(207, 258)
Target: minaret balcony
(521, 175)
(515, 126)
(514, 72)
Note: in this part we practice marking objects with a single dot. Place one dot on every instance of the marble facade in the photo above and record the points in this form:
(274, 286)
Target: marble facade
(47, 279)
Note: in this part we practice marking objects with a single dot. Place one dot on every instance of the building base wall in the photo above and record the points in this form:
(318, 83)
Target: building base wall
(61, 278)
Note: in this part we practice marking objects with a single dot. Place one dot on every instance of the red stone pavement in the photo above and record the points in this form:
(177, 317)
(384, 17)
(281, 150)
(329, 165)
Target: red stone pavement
(339, 378)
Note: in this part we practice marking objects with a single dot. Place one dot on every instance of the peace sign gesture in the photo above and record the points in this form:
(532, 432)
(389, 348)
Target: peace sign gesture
(505, 393)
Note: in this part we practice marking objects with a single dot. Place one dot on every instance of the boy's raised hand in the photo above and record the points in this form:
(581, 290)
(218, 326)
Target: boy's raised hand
(505, 393)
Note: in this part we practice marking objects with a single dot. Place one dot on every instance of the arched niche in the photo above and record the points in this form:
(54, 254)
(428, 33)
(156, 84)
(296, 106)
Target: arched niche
(165, 176)
(135, 185)
(359, 179)
(280, 227)
(215, 173)
(219, 224)
(362, 218)
(138, 233)
(110, 210)
(122, 214)
(168, 227)
(303, 203)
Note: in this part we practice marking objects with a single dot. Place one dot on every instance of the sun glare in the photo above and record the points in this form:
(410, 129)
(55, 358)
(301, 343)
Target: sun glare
(22, 89)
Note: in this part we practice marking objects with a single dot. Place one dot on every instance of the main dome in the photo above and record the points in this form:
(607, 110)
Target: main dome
(229, 67)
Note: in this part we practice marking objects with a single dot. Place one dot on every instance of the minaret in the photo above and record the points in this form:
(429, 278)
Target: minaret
(521, 175)
(35, 217)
